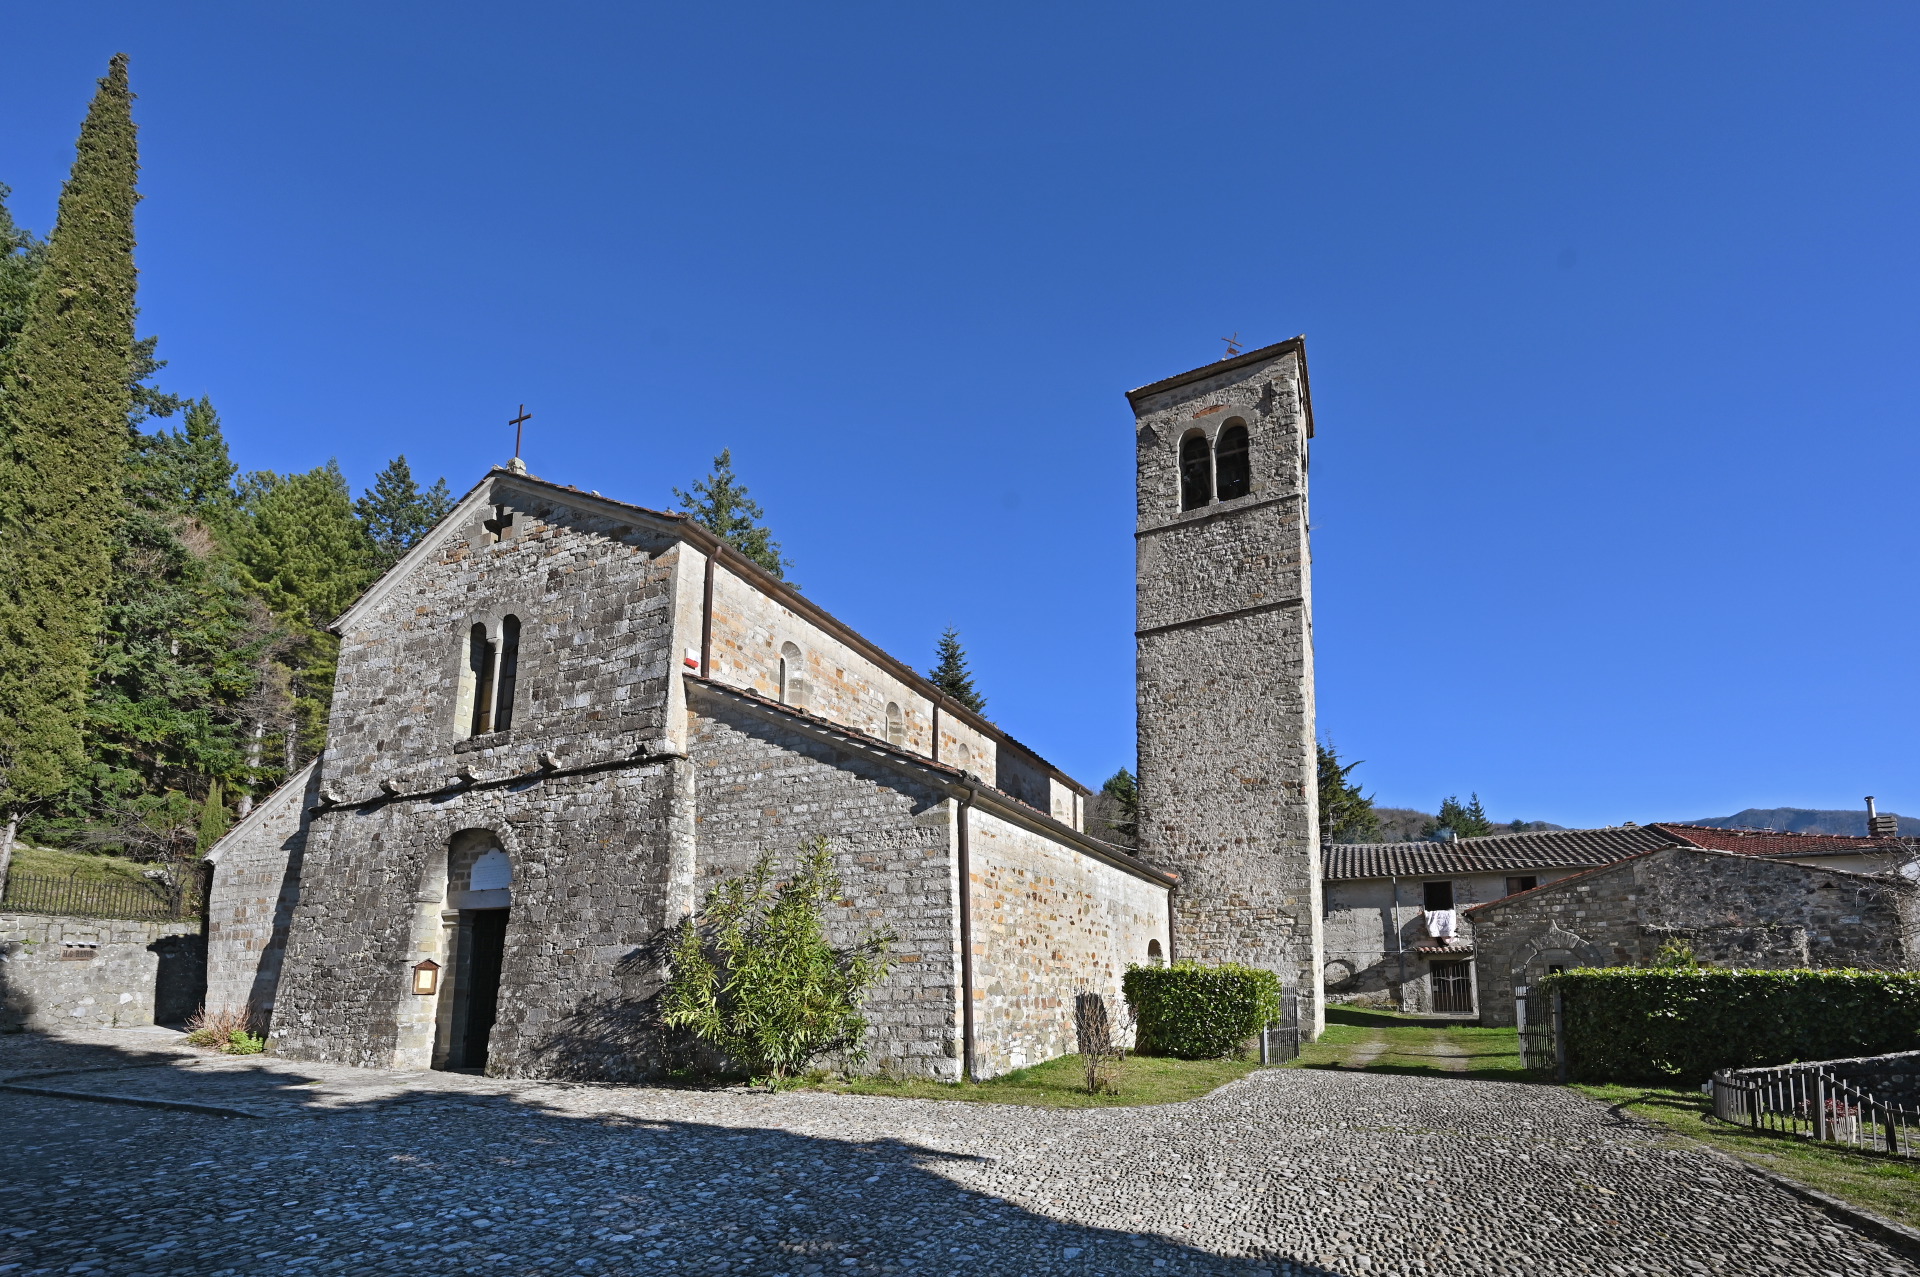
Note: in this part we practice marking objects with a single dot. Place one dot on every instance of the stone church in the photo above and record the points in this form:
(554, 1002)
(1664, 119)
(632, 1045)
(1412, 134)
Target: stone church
(562, 718)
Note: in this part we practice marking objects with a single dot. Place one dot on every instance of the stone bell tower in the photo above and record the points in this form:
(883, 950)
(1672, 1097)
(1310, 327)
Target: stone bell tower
(1228, 795)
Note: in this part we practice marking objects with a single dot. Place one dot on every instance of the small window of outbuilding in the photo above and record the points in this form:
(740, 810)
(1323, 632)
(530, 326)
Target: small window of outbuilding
(1439, 895)
(896, 725)
(1196, 472)
(1522, 882)
(1232, 464)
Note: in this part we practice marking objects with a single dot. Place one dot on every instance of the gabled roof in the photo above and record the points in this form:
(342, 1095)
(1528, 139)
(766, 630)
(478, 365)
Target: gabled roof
(1233, 363)
(1494, 853)
(290, 790)
(1769, 842)
(675, 524)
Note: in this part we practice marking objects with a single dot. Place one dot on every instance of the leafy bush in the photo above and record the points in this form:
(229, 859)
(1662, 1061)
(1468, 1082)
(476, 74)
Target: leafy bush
(1664, 1024)
(241, 1042)
(753, 975)
(1195, 1012)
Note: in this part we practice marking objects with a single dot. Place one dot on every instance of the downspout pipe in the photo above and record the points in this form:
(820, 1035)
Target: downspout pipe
(706, 619)
(966, 938)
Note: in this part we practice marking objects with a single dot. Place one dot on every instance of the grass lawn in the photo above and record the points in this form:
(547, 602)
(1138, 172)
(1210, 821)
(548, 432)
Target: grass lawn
(1061, 1083)
(1887, 1186)
(1389, 1042)
(88, 868)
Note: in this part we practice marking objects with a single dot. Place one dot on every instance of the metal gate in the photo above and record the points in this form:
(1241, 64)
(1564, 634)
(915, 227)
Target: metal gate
(1453, 987)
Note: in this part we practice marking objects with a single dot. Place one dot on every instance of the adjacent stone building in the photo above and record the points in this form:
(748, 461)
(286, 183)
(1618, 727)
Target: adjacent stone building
(1228, 790)
(1399, 933)
(1732, 910)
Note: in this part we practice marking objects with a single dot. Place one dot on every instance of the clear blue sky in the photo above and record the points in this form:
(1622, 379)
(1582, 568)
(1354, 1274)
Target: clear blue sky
(1611, 313)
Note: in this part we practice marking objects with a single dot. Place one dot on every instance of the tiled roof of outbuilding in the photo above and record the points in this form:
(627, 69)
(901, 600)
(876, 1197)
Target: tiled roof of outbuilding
(1771, 842)
(1545, 849)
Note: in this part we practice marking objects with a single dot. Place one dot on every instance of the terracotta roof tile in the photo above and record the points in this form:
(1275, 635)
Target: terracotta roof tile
(1545, 849)
(1769, 842)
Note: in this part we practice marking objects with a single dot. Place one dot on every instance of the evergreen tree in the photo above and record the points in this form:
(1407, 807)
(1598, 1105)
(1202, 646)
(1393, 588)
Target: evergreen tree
(67, 402)
(188, 472)
(1469, 821)
(214, 819)
(21, 256)
(720, 504)
(396, 514)
(1346, 814)
(303, 551)
(1117, 808)
(950, 673)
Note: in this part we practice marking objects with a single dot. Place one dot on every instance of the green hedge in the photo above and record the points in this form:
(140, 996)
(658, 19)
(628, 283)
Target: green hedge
(1631, 1024)
(1195, 1012)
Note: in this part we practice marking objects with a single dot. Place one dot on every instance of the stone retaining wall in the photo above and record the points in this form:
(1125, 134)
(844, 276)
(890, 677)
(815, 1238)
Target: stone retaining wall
(58, 972)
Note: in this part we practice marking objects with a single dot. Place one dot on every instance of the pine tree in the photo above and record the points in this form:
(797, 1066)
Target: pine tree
(1468, 821)
(1346, 814)
(396, 514)
(67, 401)
(950, 673)
(720, 504)
(1116, 809)
(302, 550)
(189, 472)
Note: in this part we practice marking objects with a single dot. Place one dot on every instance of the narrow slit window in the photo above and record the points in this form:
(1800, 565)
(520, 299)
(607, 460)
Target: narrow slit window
(1232, 468)
(793, 680)
(1196, 472)
(480, 666)
(896, 725)
(509, 673)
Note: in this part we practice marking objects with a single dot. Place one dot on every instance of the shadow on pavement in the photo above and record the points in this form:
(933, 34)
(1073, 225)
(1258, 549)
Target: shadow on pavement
(438, 1173)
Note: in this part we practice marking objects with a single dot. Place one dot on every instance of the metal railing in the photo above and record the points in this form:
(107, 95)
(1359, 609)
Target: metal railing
(147, 900)
(1808, 1100)
(1280, 1039)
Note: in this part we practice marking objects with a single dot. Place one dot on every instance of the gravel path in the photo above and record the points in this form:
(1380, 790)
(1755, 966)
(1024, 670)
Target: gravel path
(1297, 1172)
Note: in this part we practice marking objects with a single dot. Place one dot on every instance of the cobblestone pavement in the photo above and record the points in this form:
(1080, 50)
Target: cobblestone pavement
(1293, 1172)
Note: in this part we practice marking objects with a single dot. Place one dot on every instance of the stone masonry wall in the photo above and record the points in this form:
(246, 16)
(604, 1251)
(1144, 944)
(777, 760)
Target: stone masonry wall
(1733, 910)
(764, 786)
(594, 596)
(96, 973)
(1371, 941)
(589, 889)
(255, 886)
(1049, 921)
(1225, 679)
(843, 685)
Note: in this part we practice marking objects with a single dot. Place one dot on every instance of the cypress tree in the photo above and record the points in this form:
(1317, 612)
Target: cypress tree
(951, 676)
(66, 394)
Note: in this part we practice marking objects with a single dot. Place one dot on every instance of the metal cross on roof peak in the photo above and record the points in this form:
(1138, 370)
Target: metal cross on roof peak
(1233, 344)
(517, 423)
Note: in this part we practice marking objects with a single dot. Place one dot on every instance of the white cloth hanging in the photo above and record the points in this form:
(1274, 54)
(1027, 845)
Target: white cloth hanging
(1442, 923)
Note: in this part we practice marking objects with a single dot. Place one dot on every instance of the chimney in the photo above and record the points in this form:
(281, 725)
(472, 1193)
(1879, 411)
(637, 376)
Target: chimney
(1878, 826)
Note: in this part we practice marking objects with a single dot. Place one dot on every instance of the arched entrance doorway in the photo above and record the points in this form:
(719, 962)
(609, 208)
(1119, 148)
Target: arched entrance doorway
(479, 902)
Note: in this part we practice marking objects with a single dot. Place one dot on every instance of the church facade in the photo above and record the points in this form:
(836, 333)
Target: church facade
(561, 719)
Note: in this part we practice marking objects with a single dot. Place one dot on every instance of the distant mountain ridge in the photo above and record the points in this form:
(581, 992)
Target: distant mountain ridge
(1804, 820)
